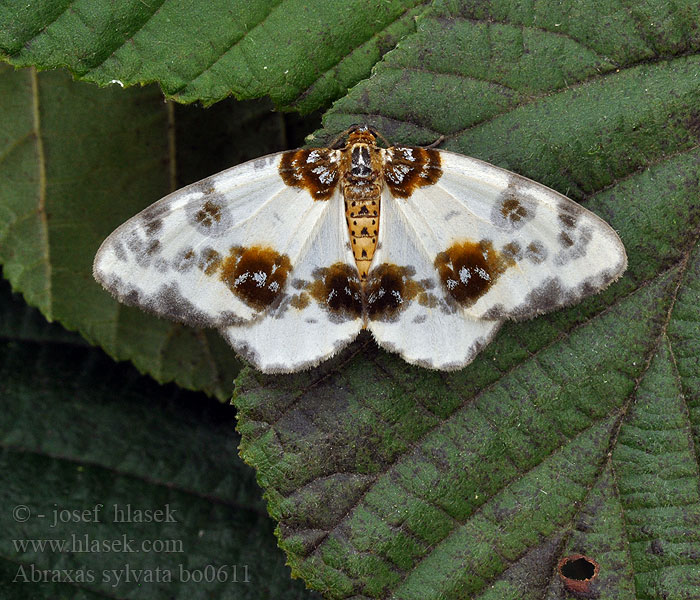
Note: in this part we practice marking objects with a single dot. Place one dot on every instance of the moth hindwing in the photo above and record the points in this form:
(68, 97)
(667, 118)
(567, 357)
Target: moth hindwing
(291, 255)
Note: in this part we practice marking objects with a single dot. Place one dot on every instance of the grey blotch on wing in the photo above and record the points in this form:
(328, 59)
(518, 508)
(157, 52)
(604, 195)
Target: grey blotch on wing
(552, 294)
(264, 161)
(279, 307)
(184, 260)
(151, 217)
(119, 251)
(513, 208)
(536, 252)
(168, 302)
(573, 245)
(209, 213)
(244, 350)
(161, 265)
(549, 294)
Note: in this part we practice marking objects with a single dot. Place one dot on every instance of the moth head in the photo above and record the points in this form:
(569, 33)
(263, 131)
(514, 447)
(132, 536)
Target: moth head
(361, 134)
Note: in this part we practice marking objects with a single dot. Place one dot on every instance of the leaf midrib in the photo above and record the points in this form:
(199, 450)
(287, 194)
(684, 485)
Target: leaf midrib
(307, 91)
(41, 204)
(663, 335)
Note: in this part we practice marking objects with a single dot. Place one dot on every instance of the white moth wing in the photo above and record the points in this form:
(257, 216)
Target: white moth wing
(321, 311)
(407, 310)
(184, 256)
(505, 246)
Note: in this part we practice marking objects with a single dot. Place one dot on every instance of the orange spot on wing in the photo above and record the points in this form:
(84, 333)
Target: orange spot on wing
(338, 290)
(407, 168)
(257, 275)
(468, 269)
(300, 301)
(312, 170)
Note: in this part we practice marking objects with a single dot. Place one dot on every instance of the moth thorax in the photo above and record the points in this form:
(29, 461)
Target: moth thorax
(361, 135)
(361, 165)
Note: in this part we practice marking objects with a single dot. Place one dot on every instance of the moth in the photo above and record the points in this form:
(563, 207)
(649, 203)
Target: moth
(291, 255)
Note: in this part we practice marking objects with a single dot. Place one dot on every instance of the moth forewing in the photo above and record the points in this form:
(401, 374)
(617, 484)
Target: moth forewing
(181, 257)
(546, 250)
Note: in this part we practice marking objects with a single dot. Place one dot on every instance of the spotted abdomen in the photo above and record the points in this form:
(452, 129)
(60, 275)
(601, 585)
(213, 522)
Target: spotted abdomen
(362, 215)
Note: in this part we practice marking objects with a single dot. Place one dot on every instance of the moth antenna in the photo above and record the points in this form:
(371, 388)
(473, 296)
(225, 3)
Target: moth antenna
(338, 141)
(335, 143)
(436, 143)
(381, 137)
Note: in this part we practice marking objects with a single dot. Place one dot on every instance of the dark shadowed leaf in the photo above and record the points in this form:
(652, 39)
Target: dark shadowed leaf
(79, 431)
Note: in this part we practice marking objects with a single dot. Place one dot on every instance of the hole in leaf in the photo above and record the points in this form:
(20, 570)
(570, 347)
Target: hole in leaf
(577, 572)
(578, 569)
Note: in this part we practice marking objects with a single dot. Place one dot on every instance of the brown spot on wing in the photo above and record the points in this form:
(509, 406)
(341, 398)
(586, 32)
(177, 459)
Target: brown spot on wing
(209, 214)
(153, 247)
(388, 290)
(257, 275)
(536, 252)
(568, 214)
(407, 168)
(338, 290)
(153, 227)
(567, 220)
(184, 260)
(300, 301)
(513, 250)
(512, 210)
(209, 261)
(315, 170)
(565, 239)
(468, 269)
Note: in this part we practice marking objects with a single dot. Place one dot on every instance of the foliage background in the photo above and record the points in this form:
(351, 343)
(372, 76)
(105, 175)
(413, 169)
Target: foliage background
(575, 432)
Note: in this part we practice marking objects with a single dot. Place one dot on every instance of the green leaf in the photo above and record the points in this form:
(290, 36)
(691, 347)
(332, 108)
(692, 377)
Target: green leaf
(575, 433)
(71, 172)
(301, 53)
(79, 431)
